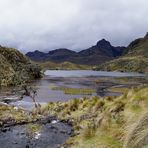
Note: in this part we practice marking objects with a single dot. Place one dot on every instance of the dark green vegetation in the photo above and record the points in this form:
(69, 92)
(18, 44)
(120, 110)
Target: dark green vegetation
(99, 53)
(15, 68)
(63, 66)
(134, 59)
(110, 122)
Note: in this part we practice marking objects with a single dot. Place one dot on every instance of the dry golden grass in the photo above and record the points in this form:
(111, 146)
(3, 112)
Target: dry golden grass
(137, 135)
(113, 122)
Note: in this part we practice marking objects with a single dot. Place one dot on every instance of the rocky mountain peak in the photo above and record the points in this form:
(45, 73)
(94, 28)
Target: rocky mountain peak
(103, 42)
(146, 36)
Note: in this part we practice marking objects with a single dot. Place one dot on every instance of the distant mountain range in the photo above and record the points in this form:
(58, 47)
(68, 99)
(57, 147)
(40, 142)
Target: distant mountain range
(101, 52)
(106, 57)
(134, 58)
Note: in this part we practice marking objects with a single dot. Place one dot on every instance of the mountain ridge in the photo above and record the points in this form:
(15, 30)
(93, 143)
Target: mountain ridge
(134, 58)
(102, 51)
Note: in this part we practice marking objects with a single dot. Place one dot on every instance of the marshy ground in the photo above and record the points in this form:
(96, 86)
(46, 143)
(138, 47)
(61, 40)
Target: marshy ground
(20, 128)
(99, 115)
(110, 122)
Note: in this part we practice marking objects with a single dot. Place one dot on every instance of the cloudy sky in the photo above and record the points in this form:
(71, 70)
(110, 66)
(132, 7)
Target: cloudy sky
(74, 24)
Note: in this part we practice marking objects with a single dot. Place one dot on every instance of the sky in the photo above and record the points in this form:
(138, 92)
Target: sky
(45, 25)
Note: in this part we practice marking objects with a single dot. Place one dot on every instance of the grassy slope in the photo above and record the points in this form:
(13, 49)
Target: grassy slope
(127, 64)
(135, 58)
(112, 122)
(63, 66)
(15, 67)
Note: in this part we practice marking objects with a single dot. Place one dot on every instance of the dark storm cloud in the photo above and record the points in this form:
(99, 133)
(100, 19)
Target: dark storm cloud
(75, 24)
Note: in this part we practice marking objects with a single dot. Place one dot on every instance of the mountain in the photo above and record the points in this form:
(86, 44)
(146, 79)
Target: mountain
(58, 55)
(103, 48)
(102, 51)
(61, 55)
(16, 68)
(134, 58)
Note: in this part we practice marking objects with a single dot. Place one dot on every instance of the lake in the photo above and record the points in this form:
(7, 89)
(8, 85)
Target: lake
(99, 81)
(84, 73)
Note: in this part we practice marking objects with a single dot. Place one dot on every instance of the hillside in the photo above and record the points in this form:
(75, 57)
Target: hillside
(134, 59)
(102, 51)
(63, 66)
(16, 68)
(111, 122)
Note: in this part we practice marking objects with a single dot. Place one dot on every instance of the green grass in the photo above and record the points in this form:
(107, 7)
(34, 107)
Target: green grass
(127, 64)
(63, 66)
(33, 127)
(15, 115)
(104, 122)
(75, 91)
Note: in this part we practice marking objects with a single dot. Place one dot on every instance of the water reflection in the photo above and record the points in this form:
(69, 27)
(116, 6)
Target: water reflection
(63, 79)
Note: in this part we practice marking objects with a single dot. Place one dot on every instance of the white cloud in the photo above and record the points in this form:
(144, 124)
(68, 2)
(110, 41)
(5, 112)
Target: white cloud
(75, 24)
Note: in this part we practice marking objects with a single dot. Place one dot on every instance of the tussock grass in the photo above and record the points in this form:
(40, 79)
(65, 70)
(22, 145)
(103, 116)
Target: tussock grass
(10, 114)
(137, 136)
(89, 131)
(110, 122)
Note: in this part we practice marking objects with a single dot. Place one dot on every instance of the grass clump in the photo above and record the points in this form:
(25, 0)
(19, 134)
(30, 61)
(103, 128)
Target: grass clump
(137, 136)
(114, 122)
(14, 115)
(89, 131)
(33, 127)
(75, 91)
(74, 104)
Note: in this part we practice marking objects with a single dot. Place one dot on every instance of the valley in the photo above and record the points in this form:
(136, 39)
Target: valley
(62, 99)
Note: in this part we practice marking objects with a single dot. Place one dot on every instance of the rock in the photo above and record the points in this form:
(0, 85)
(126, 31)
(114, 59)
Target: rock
(8, 99)
(69, 132)
(54, 121)
(146, 35)
(58, 146)
(63, 131)
(3, 104)
(22, 133)
(27, 146)
(5, 130)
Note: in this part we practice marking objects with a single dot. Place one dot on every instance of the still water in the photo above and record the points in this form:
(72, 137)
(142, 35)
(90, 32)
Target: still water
(84, 73)
(78, 79)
